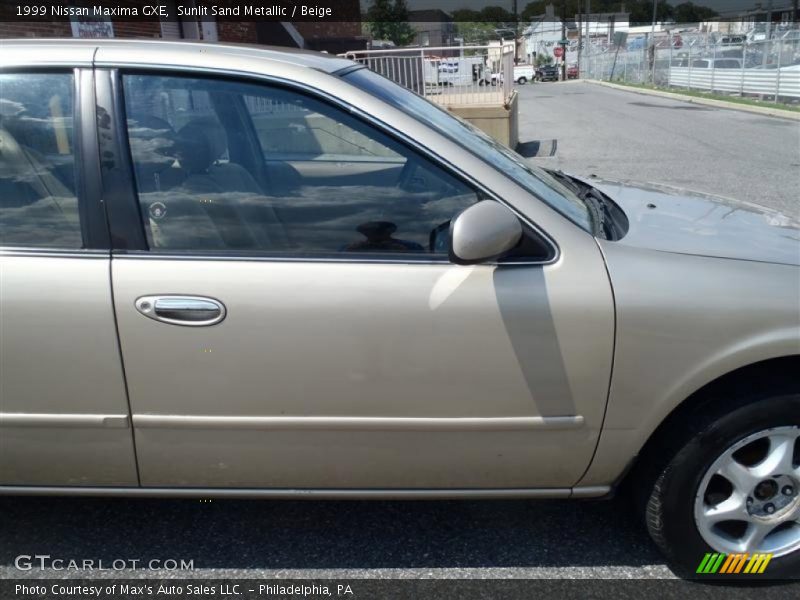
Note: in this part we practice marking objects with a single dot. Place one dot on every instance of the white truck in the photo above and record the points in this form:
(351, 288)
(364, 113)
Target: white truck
(466, 70)
(522, 74)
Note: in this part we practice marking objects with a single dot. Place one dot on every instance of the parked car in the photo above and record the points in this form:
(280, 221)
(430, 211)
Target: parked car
(732, 40)
(285, 276)
(547, 73)
(635, 43)
(524, 73)
(716, 63)
(572, 72)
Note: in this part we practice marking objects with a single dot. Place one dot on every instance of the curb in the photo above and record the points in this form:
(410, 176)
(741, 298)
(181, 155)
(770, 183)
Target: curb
(759, 110)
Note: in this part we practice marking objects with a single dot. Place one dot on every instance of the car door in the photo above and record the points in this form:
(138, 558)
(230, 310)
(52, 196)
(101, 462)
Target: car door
(64, 417)
(285, 330)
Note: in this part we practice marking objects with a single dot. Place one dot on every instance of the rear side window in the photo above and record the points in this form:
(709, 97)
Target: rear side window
(38, 203)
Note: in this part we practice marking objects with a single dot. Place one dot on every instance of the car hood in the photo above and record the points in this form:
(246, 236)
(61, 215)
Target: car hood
(676, 220)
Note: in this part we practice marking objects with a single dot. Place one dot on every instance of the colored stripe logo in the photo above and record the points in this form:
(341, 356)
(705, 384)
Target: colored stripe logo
(732, 564)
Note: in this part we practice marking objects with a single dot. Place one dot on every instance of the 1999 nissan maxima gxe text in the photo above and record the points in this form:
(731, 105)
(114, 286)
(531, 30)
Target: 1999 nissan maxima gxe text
(239, 271)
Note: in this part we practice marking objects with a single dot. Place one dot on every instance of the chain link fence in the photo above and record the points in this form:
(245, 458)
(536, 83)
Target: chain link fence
(727, 64)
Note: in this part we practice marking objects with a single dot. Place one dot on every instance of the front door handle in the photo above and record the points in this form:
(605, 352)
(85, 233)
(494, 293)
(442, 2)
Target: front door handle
(193, 311)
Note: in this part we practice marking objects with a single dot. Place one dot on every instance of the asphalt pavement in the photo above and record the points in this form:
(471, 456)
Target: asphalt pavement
(580, 128)
(587, 129)
(250, 538)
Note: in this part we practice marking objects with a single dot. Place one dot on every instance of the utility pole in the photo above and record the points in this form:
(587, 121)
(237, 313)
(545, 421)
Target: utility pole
(767, 35)
(580, 39)
(587, 38)
(563, 37)
(769, 21)
(653, 43)
(516, 30)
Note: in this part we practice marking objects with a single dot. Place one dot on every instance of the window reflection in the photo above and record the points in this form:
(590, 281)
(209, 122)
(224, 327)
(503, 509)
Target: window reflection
(38, 206)
(232, 166)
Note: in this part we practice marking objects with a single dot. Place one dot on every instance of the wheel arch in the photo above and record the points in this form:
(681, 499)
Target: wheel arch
(736, 386)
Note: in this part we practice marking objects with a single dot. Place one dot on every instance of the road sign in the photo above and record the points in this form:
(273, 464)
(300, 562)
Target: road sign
(558, 51)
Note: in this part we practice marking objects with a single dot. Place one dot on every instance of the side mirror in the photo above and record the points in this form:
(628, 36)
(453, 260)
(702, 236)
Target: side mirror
(485, 231)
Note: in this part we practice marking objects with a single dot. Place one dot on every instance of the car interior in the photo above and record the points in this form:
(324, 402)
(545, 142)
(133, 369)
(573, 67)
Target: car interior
(231, 166)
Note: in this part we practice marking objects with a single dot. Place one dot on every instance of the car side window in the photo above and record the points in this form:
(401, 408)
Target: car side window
(231, 166)
(38, 203)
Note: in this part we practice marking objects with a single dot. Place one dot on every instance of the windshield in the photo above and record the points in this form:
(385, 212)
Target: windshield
(532, 178)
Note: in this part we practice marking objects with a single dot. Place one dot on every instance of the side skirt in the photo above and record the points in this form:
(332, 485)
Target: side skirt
(310, 494)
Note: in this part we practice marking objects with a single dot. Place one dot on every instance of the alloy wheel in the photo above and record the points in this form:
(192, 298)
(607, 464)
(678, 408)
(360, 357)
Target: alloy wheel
(749, 499)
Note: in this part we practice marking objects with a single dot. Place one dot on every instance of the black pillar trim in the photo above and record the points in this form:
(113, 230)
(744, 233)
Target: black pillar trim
(119, 184)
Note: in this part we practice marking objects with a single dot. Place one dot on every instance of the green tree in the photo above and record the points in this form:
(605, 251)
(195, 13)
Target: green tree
(466, 15)
(689, 12)
(572, 8)
(476, 32)
(642, 11)
(480, 26)
(533, 9)
(388, 20)
(497, 15)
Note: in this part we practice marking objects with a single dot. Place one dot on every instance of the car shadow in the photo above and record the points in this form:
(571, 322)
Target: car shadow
(259, 534)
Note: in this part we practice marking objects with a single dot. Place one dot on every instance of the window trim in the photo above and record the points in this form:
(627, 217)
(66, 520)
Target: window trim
(88, 193)
(52, 252)
(115, 73)
(94, 225)
(117, 175)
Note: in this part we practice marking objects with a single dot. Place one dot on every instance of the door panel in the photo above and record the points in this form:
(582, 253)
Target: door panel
(64, 417)
(63, 410)
(358, 375)
(352, 354)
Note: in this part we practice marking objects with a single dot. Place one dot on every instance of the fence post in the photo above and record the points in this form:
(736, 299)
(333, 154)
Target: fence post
(422, 72)
(713, 67)
(653, 66)
(778, 72)
(669, 69)
(689, 82)
(741, 72)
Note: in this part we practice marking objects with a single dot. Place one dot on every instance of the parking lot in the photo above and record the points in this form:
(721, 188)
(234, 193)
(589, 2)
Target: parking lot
(623, 135)
(577, 127)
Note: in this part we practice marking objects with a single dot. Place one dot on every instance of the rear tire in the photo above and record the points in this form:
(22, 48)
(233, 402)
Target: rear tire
(522, 80)
(730, 461)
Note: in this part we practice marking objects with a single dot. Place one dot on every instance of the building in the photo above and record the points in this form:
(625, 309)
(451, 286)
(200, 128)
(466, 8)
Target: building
(542, 35)
(604, 25)
(434, 28)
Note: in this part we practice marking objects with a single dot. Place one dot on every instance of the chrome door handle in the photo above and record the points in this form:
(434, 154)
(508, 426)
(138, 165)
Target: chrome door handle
(194, 311)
